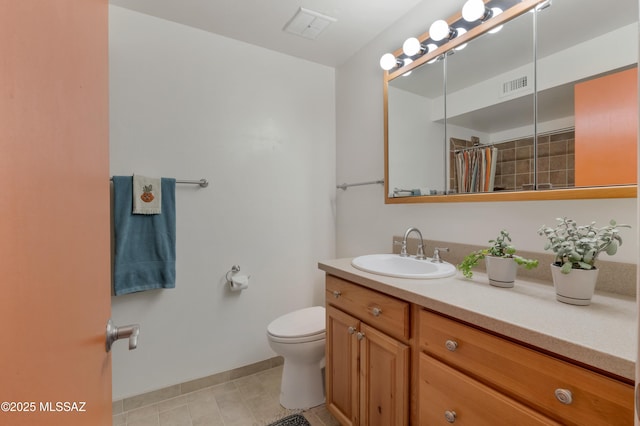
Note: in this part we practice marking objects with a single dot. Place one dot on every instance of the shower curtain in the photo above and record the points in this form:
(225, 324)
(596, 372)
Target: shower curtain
(475, 169)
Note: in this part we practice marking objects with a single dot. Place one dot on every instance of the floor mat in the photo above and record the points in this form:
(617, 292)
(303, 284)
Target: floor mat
(293, 420)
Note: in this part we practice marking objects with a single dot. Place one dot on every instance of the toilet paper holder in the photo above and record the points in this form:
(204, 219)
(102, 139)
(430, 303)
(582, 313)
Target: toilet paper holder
(237, 282)
(234, 269)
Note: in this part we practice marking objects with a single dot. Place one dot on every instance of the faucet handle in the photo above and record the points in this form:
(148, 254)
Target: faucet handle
(436, 253)
(403, 249)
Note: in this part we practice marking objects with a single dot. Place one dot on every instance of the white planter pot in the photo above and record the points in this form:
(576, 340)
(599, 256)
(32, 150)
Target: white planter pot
(576, 287)
(501, 271)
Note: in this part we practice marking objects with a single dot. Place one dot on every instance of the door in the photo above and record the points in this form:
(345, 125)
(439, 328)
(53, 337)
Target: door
(342, 366)
(54, 213)
(384, 379)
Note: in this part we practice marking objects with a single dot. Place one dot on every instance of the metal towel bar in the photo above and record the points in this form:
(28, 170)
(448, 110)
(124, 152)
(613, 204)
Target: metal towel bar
(344, 186)
(202, 182)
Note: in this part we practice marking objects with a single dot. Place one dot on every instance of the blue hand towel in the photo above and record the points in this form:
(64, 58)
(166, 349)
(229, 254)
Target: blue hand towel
(145, 245)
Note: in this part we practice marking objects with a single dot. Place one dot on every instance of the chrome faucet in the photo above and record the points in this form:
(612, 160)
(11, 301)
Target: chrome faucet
(420, 253)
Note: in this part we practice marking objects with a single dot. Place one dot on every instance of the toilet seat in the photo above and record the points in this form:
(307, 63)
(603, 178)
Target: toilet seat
(303, 325)
(294, 340)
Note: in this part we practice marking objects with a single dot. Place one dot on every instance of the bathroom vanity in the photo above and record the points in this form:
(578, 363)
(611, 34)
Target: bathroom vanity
(454, 350)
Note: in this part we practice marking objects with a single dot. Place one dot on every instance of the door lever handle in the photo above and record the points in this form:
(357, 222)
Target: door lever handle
(114, 333)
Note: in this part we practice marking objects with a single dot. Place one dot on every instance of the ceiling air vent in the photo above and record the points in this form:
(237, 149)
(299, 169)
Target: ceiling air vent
(308, 24)
(516, 85)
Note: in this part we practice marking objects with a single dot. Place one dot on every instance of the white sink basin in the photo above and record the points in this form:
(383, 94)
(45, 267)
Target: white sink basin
(392, 265)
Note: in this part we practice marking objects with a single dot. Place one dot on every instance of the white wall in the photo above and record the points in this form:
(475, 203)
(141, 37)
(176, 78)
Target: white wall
(261, 127)
(365, 224)
(418, 161)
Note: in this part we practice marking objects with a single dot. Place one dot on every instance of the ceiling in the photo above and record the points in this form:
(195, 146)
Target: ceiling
(261, 22)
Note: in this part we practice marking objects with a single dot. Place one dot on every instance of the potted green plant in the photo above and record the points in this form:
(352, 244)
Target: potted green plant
(501, 261)
(576, 249)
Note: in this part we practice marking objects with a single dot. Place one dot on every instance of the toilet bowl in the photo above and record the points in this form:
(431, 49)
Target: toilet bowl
(299, 337)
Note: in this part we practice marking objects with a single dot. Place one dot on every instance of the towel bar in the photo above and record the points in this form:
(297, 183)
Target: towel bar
(202, 182)
(344, 186)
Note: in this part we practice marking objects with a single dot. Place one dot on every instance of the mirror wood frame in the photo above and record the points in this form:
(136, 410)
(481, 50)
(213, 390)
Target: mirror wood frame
(622, 191)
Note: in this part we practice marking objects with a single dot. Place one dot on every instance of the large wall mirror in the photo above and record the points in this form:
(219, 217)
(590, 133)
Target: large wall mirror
(545, 108)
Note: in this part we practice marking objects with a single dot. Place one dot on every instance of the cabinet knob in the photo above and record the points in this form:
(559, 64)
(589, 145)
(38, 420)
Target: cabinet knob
(564, 396)
(336, 293)
(360, 335)
(376, 312)
(450, 416)
(451, 345)
(351, 330)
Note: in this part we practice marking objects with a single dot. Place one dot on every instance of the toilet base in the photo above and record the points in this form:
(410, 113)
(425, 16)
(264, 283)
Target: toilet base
(302, 385)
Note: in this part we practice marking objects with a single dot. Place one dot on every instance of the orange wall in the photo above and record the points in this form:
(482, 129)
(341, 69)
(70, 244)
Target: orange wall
(606, 111)
(54, 208)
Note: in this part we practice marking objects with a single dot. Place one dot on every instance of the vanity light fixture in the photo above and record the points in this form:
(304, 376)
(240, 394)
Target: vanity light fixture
(460, 31)
(412, 47)
(406, 62)
(440, 30)
(389, 62)
(475, 10)
(431, 48)
(495, 11)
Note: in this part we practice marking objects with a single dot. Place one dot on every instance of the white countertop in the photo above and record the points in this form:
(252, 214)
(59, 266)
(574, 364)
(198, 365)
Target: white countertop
(602, 335)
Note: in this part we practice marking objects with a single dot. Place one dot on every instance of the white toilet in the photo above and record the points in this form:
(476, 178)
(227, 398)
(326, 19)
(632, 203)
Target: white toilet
(299, 337)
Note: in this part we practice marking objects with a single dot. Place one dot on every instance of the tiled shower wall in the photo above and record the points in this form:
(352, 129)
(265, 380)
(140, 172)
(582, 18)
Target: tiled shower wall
(515, 165)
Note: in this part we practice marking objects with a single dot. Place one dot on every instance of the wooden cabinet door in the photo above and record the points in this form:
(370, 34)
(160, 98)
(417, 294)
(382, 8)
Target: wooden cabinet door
(384, 379)
(342, 367)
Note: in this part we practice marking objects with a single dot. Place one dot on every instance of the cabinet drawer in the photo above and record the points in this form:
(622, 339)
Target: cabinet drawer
(384, 312)
(528, 376)
(445, 391)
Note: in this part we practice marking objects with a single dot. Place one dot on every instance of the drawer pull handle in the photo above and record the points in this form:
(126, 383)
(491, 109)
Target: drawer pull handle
(351, 330)
(451, 345)
(336, 293)
(360, 335)
(564, 396)
(376, 312)
(450, 416)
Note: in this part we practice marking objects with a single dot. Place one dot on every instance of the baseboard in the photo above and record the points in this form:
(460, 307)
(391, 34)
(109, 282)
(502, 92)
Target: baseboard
(173, 391)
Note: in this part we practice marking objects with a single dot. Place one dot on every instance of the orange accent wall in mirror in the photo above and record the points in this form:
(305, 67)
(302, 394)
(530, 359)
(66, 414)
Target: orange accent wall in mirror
(606, 110)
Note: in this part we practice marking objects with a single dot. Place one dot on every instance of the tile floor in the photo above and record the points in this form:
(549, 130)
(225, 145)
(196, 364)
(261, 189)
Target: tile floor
(247, 401)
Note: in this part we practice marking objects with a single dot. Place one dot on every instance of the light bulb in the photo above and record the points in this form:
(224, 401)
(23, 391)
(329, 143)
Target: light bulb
(411, 46)
(430, 48)
(461, 31)
(388, 61)
(439, 30)
(407, 61)
(473, 10)
(495, 12)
